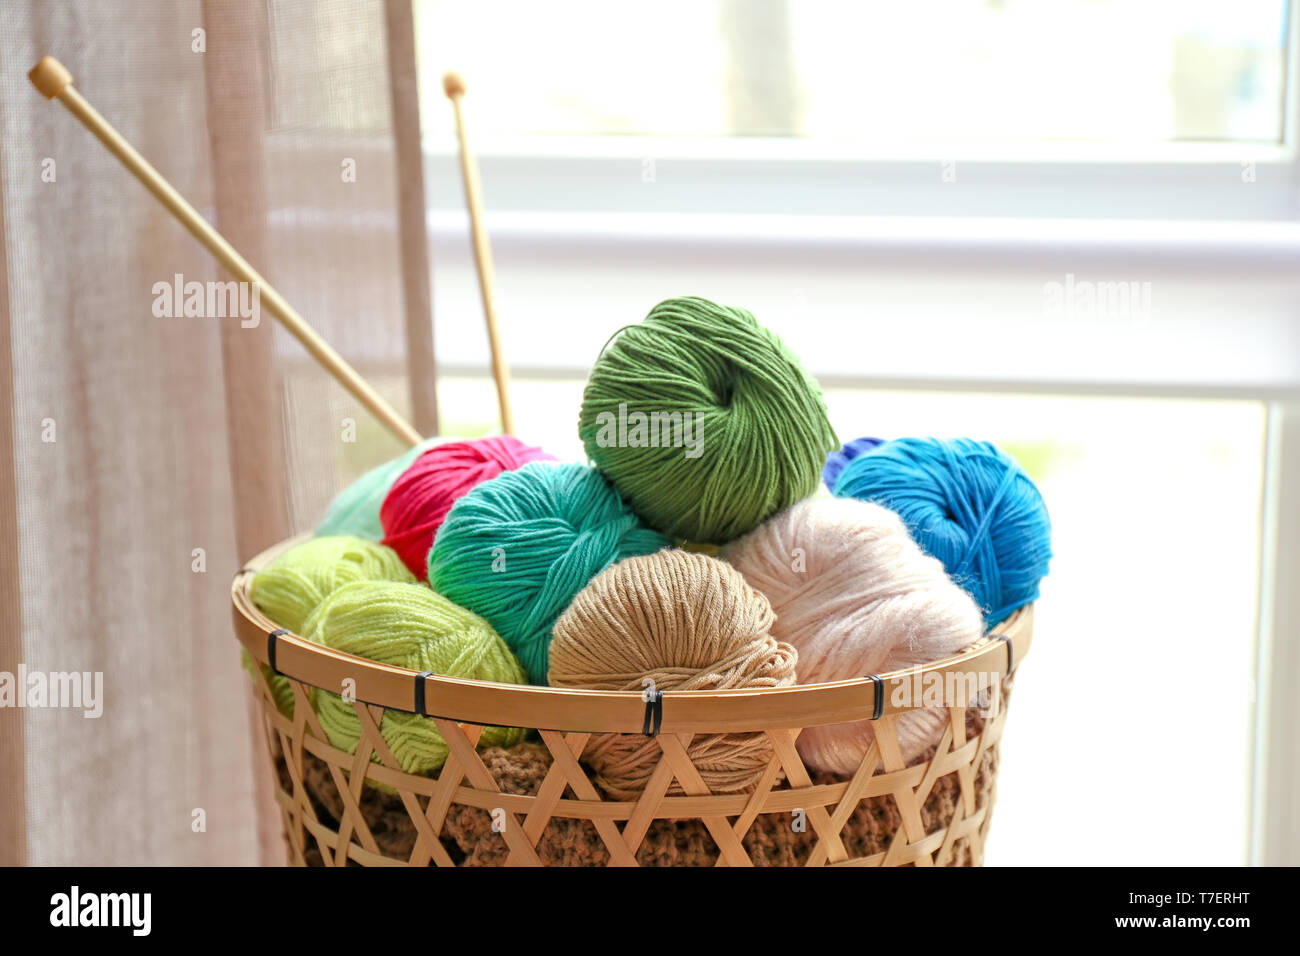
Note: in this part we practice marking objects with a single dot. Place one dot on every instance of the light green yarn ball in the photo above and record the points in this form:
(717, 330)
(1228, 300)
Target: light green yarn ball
(290, 587)
(408, 625)
(281, 691)
(355, 510)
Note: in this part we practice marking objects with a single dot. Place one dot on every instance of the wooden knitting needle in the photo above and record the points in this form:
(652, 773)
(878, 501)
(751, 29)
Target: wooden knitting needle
(53, 80)
(453, 84)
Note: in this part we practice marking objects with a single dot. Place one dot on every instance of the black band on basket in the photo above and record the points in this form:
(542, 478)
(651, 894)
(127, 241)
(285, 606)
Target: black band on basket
(271, 640)
(1011, 659)
(654, 712)
(419, 692)
(880, 696)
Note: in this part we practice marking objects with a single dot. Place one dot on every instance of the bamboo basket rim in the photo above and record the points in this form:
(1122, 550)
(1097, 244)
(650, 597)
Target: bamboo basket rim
(489, 703)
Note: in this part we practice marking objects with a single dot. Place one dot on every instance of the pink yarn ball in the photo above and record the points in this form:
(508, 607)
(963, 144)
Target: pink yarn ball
(856, 595)
(422, 495)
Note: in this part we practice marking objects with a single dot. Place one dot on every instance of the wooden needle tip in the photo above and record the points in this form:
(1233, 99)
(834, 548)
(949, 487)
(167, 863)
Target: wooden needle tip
(50, 77)
(453, 84)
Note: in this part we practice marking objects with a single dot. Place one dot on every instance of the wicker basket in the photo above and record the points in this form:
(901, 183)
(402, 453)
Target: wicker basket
(537, 804)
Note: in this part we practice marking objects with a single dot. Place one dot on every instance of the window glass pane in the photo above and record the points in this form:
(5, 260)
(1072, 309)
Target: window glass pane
(1135, 72)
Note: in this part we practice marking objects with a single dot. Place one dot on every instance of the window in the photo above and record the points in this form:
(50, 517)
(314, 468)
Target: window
(869, 76)
(915, 200)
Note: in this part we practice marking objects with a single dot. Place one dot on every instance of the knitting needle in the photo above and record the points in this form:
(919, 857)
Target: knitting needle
(453, 84)
(53, 80)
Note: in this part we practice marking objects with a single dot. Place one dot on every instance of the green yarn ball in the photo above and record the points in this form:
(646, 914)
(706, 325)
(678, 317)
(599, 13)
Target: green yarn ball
(292, 586)
(408, 625)
(518, 547)
(705, 423)
(355, 510)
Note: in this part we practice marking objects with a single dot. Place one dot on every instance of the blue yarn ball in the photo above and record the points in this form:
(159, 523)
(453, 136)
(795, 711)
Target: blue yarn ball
(836, 460)
(967, 503)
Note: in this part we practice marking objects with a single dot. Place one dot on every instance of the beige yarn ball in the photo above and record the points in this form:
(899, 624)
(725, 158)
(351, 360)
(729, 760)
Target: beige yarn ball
(856, 595)
(688, 622)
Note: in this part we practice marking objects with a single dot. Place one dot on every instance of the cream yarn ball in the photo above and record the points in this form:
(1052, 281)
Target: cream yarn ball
(855, 595)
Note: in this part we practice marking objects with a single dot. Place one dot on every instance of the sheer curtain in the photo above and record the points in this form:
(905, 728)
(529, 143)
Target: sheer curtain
(144, 458)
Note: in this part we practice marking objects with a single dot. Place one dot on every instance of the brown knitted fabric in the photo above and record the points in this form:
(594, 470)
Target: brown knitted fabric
(771, 840)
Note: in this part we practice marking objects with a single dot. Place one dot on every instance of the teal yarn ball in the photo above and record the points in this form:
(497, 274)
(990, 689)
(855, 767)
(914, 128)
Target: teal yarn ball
(967, 503)
(517, 548)
(407, 625)
(703, 420)
(355, 510)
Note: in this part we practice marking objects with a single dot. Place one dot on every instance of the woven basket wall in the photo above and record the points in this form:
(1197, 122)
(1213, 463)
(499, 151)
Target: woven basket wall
(537, 804)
